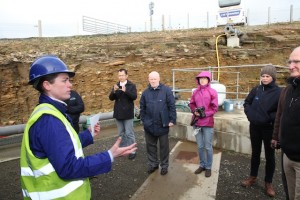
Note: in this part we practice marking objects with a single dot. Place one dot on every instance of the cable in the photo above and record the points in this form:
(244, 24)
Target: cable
(218, 56)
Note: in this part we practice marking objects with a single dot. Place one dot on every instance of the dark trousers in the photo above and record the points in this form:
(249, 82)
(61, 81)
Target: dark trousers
(259, 135)
(152, 150)
(76, 127)
(284, 183)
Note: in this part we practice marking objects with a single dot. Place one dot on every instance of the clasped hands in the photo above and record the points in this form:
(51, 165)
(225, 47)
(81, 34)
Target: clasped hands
(116, 87)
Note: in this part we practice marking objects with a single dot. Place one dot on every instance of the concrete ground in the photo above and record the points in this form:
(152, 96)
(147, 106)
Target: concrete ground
(181, 183)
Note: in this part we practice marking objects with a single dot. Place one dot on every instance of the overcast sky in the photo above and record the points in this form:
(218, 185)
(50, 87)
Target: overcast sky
(18, 18)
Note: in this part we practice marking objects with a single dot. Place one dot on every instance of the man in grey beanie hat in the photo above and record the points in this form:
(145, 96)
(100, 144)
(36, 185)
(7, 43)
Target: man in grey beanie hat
(270, 70)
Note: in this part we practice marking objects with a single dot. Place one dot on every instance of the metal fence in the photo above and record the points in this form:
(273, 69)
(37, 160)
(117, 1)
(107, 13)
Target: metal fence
(208, 19)
(233, 76)
(182, 20)
(97, 26)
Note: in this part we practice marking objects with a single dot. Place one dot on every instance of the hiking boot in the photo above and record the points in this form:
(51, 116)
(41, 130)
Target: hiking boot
(199, 170)
(269, 189)
(248, 181)
(207, 173)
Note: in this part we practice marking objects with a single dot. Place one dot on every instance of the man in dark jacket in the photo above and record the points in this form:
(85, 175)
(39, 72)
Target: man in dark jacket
(124, 93)
(260, 108)
(75, 107)
(287, 126)
(158, 113)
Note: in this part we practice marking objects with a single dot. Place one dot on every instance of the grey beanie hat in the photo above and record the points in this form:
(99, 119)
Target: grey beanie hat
(270, 70)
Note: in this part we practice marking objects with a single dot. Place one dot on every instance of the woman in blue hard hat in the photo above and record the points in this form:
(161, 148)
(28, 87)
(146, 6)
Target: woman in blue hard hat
(52, 161)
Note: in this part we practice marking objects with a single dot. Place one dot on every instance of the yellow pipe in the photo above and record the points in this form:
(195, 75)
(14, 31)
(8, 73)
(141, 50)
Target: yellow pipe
(218, 56)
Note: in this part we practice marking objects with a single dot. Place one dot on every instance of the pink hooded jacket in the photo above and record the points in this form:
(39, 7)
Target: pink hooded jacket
(207, 97)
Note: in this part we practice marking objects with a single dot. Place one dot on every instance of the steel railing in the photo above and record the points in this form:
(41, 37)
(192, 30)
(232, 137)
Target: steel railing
(233, 83)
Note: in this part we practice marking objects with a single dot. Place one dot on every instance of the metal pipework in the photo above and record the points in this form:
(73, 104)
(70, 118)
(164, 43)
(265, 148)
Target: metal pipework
(229, 30)
(17, 129)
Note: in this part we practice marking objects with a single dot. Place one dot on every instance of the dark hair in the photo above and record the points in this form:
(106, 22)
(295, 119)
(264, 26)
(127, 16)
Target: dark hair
(198, 78)
(38, 84)
(123, 70)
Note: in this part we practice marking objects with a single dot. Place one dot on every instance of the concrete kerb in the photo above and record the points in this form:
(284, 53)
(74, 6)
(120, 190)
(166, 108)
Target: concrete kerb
(231, 130)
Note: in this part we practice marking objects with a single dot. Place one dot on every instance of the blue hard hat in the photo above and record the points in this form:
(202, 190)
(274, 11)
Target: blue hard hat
(46, 65)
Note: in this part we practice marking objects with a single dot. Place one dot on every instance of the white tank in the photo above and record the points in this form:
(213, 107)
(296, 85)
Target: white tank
(221, 90)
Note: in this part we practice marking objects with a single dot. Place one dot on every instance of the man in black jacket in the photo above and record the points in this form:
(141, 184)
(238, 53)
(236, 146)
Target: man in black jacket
(124, 93)
(287, 126)
(75, 108)
(158, 113)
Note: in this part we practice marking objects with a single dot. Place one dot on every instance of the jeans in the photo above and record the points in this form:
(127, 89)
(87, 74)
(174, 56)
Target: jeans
(126, 131)
(259, 134)
(204, 139)
(292, 174)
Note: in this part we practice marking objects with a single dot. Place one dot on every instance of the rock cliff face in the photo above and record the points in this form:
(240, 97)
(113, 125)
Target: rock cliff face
(96, 59)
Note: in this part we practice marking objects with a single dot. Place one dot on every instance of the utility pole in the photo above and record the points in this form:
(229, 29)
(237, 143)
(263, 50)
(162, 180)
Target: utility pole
(151, 6)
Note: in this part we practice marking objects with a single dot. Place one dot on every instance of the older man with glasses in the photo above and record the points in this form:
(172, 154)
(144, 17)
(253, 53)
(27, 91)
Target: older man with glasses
(287, 126)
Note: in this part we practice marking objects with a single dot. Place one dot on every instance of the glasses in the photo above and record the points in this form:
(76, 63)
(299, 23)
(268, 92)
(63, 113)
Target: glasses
(293, 61)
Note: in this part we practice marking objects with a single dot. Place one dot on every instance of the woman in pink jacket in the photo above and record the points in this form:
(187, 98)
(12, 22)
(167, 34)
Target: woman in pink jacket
(204, 104)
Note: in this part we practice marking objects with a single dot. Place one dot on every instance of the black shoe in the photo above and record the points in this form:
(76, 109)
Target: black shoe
(208, 173)
(199, 170)
(164, 171)
(152, 169)
(132, 156)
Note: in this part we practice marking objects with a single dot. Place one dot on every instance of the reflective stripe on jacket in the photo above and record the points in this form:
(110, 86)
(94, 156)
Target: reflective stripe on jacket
(39, 179)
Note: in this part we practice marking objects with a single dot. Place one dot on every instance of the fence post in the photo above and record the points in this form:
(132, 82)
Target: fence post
(207, 19)
(188, 21)
(291, 13)
(163, 23)
(247, 17)
(39, 26)
(269, 15)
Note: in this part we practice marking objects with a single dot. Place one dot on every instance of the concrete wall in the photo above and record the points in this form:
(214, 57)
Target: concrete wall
(231, 130)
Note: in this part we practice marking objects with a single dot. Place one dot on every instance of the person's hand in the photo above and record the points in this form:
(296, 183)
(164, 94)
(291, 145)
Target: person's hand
(274, 144)
(197, 114)
(116, 87)
(123, 88)
(171, 124)
(96, 129)
(118, 151)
